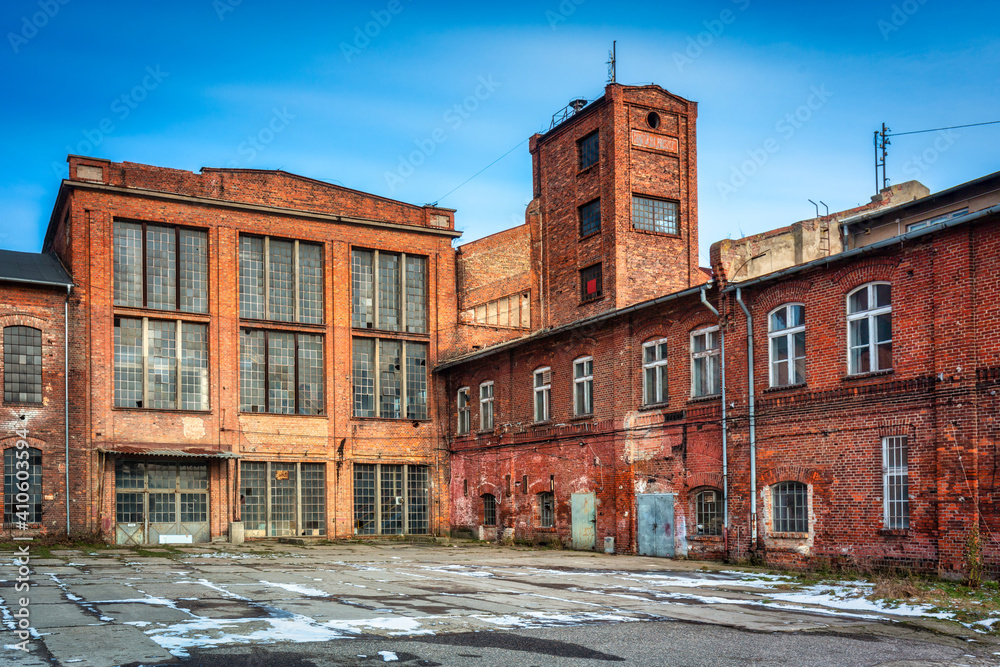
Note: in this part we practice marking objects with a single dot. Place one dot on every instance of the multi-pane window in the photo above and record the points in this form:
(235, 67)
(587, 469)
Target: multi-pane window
(583, 386)
(464, 411)
(489, 509)
(22, 485)
(705, 365)
(547, 509)
(161, 364)
(708, 512)
(22, 365)
(389, 291)
(590, 283)
(281, 372)
(654, 215)
(161, 267)
(281, 280)
(654, 372)
(589, 149)
(590, 218)
(543, 391)
(395, 372)
(790, 507)
(869, 328)
(486, 406)
(895, 482)
(786, 333)
(282, 498)
(391, 499)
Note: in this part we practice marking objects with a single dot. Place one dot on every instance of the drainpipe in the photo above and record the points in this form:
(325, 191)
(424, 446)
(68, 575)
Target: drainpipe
(753, 421)
(69, 288)
(725, 456)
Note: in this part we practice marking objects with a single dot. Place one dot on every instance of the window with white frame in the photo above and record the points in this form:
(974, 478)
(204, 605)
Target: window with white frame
(543, 391)
(486, 406)
(463, 411)
(654, 372)
(869, 328)
(790, 507)
(583, 386)
(786, 333)
(705, 364)
(895, 482)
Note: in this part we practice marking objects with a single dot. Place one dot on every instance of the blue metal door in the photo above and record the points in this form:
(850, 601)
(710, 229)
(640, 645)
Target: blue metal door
(584, 521)
(655, 524)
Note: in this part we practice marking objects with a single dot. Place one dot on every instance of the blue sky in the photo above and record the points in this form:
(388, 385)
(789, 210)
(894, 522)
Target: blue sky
(789, 95)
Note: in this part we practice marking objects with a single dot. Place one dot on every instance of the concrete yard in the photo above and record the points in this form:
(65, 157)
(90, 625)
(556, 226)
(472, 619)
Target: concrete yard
(457, 603)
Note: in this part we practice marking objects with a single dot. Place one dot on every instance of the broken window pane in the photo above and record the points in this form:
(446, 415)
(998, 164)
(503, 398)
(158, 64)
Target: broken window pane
(282, 281)
(364, 377)
(310, 283)
(390, 378)
(364, 499)
(416, 380)
(128, 264)
(311, 400)
(193, 269)
(416, 294)
(363, 289)
(388, 291)
(252, 277)
(252, 380)
(161, 356)
(22, 367)
(281, 372)
(194, 366)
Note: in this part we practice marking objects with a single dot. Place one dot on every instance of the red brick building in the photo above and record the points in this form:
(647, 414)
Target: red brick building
(252, 346)
(34, 293)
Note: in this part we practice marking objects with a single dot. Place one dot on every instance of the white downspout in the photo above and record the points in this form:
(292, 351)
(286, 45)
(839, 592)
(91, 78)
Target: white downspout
(725, 454)
(753, 421)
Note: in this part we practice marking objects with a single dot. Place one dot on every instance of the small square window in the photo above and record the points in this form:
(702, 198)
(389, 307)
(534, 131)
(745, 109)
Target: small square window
(591, 284)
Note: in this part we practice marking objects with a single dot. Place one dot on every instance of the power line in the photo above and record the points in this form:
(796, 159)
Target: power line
(939, 129)
(479, 172)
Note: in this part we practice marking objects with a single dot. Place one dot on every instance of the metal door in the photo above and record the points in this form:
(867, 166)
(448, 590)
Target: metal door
(656, 524)
(584, 521)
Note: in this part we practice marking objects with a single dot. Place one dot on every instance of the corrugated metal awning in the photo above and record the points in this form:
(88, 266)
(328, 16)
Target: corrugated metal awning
(184, 452)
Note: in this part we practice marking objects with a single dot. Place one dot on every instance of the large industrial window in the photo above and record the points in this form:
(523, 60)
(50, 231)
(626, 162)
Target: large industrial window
(895, 482)
(281, 372)
(489, 509)
(161, 364)
(281, 280)
(869, 328)
(391, 499)
(283, 498)
(786, 333)
(22, 485)
(583, 386)
(546, 509)
(389, 291)
(463, 411)
(395, 372)
(654, 372)
(590, 218)
(591, 286)
(22, 365)
(589, 149)
(486, 406)
(161, 267)
(705, 365)
(708, 512)
(542, 379)
(654, 215)
(790, 507)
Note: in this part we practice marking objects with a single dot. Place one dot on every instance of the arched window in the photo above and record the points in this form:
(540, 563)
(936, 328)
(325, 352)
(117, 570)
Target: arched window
(22, 365)
(22, 485)
(869, 328)
(790, 507)
(489, 509)
(786, 333)
(708, 511)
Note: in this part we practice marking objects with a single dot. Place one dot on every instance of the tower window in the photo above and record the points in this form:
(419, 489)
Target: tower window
(589, 150)
(590, 283)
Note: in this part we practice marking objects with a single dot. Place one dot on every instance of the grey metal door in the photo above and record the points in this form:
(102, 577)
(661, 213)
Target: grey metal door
(584, 520)
(656, 524)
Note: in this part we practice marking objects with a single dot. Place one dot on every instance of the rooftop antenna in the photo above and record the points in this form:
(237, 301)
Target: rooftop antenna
(612, 57)
(882, 143)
